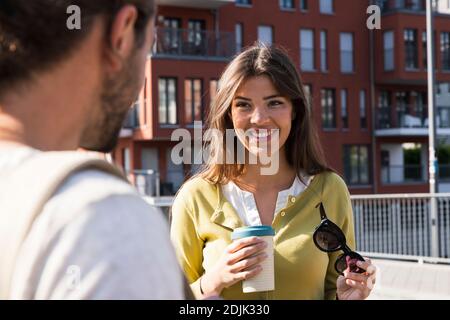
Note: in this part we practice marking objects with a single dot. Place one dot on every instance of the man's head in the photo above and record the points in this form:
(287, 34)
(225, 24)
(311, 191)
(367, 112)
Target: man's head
(35, 39)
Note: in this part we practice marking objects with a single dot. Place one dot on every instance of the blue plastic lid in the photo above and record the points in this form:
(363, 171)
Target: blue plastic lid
(254, 231)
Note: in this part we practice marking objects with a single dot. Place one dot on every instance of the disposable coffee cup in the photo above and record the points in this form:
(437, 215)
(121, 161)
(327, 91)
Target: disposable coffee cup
(265, 280)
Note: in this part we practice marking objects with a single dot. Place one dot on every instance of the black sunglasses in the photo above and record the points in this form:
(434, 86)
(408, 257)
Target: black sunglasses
(328, 237)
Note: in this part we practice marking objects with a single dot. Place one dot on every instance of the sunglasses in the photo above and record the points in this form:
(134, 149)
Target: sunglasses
(328, 237)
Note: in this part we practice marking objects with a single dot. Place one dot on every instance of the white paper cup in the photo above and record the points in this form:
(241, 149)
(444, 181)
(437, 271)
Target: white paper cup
(265, 280)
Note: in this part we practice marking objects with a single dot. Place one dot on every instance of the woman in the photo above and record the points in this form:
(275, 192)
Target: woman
(261, 98)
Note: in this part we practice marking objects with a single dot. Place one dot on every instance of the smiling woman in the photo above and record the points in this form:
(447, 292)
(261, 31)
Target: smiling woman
(261, 98)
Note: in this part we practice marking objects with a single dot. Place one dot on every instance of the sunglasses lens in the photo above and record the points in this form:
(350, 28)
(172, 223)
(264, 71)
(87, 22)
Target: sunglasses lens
(348, 261)
(326, 240)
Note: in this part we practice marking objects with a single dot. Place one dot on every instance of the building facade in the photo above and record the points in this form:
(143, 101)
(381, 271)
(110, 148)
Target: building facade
(367, 87)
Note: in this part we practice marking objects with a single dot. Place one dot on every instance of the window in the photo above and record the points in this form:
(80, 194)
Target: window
(388, 40)
(307, 50)
(196, 37)
(304, 5)
(346, 45)
(126, 160)
(193, 100)
(323, 51)
(244, 2)
(445, 50)
(167, 101)
(384, 110)
(344, 111)
(307, 88)
(239, 33)
(414, 5)
(328, 108)
(399, 4)
(213, 87)
(265, 35)
(326, 6)
(356, 164)
(424, 50)
(171, 35)
(410, 37)
(362, 109)
(287, 4)
(401, 104)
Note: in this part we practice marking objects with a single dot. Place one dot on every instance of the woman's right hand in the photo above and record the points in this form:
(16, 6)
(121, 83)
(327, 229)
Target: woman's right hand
(240, 261)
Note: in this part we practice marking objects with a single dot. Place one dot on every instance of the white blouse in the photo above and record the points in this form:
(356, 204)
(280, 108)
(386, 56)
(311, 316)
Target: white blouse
(245, 205)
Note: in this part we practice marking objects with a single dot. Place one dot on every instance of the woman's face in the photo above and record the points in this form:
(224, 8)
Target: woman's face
(261, 116)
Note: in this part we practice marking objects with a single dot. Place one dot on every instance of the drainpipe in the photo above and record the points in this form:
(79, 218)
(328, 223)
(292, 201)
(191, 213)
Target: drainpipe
(373, 108)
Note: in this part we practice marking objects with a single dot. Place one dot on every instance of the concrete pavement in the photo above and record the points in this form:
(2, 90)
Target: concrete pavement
(402, 280)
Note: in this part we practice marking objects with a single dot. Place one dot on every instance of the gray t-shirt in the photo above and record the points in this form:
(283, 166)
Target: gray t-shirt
(95, 239)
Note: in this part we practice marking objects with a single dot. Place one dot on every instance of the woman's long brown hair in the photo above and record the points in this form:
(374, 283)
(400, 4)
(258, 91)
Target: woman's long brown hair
(303, 147)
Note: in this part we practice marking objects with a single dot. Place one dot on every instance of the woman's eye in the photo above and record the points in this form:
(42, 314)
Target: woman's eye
(242, 105)
(275, 103)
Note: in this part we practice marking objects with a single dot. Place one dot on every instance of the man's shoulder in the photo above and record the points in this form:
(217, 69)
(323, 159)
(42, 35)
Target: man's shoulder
(91, 191)
(93, 182)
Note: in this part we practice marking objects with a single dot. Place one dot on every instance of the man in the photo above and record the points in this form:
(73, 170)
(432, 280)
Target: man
(61, 89)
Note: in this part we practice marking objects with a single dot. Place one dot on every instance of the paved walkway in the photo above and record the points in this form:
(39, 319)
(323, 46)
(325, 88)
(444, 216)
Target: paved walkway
(399, 280)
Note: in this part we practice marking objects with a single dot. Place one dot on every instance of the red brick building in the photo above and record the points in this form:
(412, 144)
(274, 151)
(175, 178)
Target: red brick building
(368, 87)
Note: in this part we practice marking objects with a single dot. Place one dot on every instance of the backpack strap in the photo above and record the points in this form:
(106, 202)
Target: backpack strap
(24, 193)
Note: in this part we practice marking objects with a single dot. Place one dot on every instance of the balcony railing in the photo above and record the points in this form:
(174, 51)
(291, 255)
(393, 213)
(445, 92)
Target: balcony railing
(403, 5)
(149, 184)
(388, 6)
(387, 118)
(404, 174)
(193, 44)
(401, 224)
(132, 120)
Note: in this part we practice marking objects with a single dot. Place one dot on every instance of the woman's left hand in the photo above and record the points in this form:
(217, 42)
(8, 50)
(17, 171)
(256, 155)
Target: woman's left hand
(357, 286)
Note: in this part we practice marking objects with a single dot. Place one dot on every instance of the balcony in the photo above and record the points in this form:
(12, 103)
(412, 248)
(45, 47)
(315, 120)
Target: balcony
(190, 44)
(402, 6)
(131, 122)
(405, 123)
(200, 4)
(410, 6)
(406, 174)
(148, 183)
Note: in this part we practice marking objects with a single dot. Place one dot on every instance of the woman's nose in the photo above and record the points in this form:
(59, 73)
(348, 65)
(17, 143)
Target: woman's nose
(259, 116)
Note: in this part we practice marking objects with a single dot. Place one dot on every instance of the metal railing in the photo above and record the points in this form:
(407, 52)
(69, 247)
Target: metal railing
(443, 173)
(403, 119)
(148, 183)
(402, 5)
(396, 226)
(401, 174)
(132, 120)
(194, 43)
(401, 224)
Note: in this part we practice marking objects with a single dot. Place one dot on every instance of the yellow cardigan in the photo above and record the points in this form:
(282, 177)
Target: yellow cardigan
(203, 220)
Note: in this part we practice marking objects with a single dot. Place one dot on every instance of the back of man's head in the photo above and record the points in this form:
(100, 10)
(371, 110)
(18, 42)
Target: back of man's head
(34, 35)
(37, 35)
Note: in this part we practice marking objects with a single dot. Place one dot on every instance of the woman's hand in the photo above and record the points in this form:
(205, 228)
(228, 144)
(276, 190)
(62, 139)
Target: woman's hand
(357, 286)
(240, 261)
